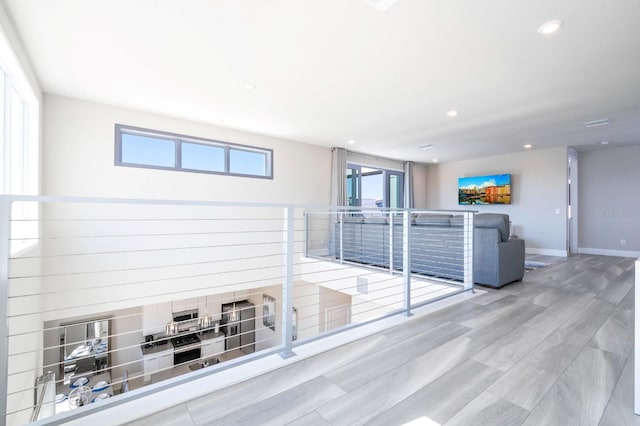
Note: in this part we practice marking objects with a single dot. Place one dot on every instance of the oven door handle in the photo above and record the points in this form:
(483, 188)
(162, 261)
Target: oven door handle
(187, 348)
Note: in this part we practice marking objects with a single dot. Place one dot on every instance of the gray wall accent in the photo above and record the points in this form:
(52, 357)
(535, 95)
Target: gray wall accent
(538, 208)
(609, 205)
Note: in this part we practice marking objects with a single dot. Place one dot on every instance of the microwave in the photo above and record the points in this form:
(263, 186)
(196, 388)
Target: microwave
(191, 314)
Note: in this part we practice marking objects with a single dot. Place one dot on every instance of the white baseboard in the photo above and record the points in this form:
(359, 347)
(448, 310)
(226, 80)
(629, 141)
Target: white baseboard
(608, 252)
(547, 252)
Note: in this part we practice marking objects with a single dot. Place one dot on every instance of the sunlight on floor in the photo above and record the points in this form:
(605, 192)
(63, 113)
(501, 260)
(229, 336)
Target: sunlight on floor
(422, 421)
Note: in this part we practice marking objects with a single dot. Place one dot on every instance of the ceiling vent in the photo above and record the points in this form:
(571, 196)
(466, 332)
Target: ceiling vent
(596, 123)
(382, 5)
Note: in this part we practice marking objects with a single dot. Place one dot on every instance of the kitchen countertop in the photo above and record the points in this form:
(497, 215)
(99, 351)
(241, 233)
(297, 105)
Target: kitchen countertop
(156, 349)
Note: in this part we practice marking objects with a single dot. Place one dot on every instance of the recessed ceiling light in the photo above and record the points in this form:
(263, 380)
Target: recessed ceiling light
(452, 113)
(550, 27)
(435, 160)
(249, 86)
(604, 143)
(351, 142)
(427, 146)
(528, 146)
(382, 5)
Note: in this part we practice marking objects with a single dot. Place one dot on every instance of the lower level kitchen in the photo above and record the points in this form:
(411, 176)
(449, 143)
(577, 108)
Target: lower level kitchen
(117, 351)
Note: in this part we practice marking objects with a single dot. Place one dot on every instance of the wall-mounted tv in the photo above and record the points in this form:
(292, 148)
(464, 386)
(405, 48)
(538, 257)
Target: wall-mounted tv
(490, 189)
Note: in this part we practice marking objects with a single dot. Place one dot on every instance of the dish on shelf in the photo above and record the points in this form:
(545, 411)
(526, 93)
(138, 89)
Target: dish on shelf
(60, 397)
(80, 382)
(101, 397)
(101, 385)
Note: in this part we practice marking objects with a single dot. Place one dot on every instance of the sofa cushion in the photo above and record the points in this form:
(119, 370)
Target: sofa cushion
(432, 219)
(493, 220)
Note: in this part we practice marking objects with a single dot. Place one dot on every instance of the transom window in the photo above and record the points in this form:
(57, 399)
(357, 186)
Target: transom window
(154, 149)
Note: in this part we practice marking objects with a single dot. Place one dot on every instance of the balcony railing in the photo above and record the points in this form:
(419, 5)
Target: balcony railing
(101, 288)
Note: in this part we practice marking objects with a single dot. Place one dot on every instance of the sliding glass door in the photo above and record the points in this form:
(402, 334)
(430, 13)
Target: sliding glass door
(371, 187)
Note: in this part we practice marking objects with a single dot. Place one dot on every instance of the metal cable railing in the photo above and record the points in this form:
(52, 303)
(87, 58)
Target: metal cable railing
(98, 289)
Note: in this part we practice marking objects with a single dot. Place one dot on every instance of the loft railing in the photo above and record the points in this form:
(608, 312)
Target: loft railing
(97, 276)
(434, 244)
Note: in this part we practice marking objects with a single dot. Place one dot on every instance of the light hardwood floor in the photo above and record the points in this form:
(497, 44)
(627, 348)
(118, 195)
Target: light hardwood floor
(554, 349)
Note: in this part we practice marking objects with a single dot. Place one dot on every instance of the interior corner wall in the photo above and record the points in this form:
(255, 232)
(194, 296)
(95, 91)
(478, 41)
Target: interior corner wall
(538, 209)
(608, 208)
(78, 160)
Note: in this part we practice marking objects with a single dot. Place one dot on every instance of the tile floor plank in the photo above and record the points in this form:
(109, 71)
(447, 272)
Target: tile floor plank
(489, 410)
(218, 404)
(300, 400)
(368, 368)
(617, 411)
(616, 334)
(529, 380)
(582, 392)
(442, 399)
(364, 403)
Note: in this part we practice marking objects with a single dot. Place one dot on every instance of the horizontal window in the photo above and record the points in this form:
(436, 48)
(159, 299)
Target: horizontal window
(146, 148)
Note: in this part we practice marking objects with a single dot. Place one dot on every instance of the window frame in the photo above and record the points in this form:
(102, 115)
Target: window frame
(356, 182)
(178, 140)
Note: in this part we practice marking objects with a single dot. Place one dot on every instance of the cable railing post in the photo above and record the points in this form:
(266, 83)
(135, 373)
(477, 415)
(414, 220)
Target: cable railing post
(306, 233)
(468, 251)
(406, 260)
(390, 241)
(287, 284)
(341, 227)
(5, 253)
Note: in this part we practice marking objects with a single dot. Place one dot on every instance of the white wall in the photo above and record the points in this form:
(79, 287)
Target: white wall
(79, 160)
(608, 204)
(20, 344)
(538, 190)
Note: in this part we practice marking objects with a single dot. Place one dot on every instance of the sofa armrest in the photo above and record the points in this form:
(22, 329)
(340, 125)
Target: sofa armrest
(511, 261)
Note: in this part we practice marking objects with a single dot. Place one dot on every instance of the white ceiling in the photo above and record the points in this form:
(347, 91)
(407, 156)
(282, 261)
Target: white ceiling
(329, 71)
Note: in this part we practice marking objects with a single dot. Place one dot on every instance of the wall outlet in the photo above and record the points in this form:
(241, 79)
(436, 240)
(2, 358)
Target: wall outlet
(623, 242)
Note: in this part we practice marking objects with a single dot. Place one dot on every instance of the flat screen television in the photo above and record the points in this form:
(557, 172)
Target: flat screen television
(490, 189)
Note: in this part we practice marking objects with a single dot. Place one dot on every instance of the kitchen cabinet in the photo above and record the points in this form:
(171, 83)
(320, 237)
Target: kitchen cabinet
(155, 317)
(211, 347)
(156, 362)
(149, 319)
(185, 304)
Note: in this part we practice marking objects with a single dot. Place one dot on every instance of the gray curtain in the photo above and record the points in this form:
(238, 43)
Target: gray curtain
(408, 185)
(338, 177)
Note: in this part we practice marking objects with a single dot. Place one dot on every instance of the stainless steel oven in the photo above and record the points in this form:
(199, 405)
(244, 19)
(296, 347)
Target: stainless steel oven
(186, 354)
(186, 348)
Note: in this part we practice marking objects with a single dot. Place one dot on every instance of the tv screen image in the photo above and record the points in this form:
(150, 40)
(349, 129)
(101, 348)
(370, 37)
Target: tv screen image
(490, 189)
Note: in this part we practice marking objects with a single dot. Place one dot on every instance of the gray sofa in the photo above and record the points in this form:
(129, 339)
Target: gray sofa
(437, 243)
